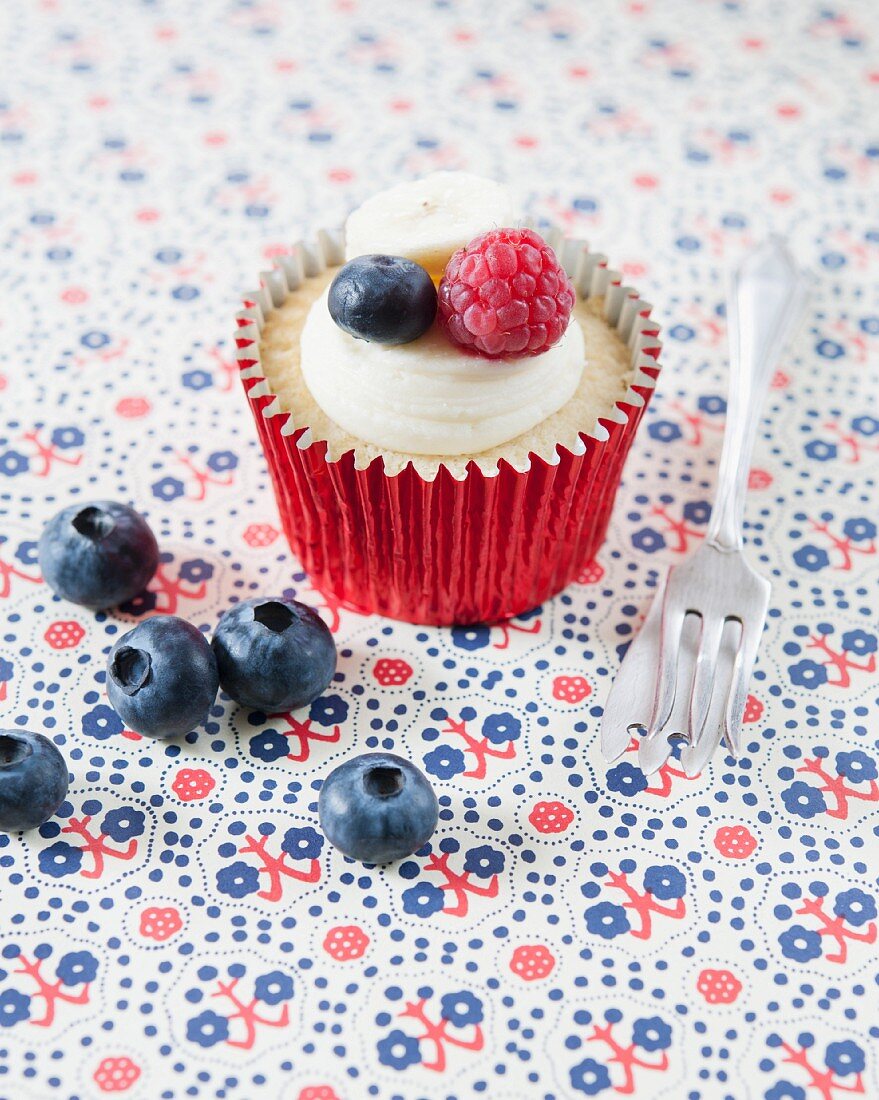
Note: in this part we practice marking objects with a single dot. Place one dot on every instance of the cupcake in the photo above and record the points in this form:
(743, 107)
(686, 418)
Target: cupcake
(452, 470)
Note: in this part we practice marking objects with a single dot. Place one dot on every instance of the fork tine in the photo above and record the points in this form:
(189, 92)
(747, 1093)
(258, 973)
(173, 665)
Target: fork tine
(738, 696)
(655, 747)
(705, 676)
(667, 673)
(695, 756)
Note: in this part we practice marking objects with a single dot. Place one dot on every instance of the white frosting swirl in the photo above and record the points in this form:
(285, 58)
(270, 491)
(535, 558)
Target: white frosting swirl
(428, 397)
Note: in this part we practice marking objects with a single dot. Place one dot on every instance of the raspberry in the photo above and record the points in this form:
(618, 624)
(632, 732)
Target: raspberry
(346, 942)
(753, 710)
(505, 294)
(531, 962)
(64, 635)
(735, 841)
(116, 1074)
(570, 689)
(391, 671)
(718, 987)
(160, 924)
(551, 817)
(191, 784)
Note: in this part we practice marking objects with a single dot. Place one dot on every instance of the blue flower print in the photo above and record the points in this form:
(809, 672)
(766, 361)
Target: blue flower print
(207, 1029)
(196, 571)
(859, 529)
(484, 861)
(471, 637)
(626, 779)
(590, 1077)
(820, 451)
(444, 762)
(785, 1090)
(329, 710)
(697, 511)
(461, 1008)
(808, 674)
(76, 967)
(855, 906)
(664, 431)
(501, 728)
(712, 404)
(238, 879)
(811, 558)
(665, 882)
(269, 745)
(398, 1050)
(196, 380)
(13, 463)
(302, 843)
(423, 900)
(14, 1007)
(800, 944)
(66, 438)
(60, 859)
(272, 988)
(168, 488)
(123, 823)
(102, 722)
(845, 1058)
(804, 801)
(648, 541)
(221, 461)
(866, 425)
(856, 766)
(26, 552)
(859, 642)
(651, 1033)
(607, 920)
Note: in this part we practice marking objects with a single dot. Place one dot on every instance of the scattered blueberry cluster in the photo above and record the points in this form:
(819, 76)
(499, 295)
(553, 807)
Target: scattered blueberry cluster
(273, 655)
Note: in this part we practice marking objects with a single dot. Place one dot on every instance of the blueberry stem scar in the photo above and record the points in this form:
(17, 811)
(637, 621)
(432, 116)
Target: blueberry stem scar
(93, 523)
(131, 669)
(13, 750)
(383, 782)
(273, 615)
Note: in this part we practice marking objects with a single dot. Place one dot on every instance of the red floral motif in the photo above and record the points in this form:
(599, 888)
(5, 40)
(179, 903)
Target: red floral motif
(228, 370)
(551, 817)
(666, 775)
(47, 454)
(678, 528)
(822, 1080)
(160, 924)
(304, 733)
(192, 784)
(834, 927)
(391, 671)
(753, 710)
(169, 591)
(64, 634)
(459, 885)
(317, 1092)
(50, 992)
(532, 962)
(837, 788)
(645, 905)
(695, 421)
(96, 845)
(203, 477)
(116, 1074)
(571, 689)
(276, 867)
(591, 573)
(480, 748)
(759, 479)
(132, 408)
(509, 627)
(854, 444)
(780, 380)
(625, 1057)
(840, 662)
(248, 1014)
(260, 534)
(844, 547)
(735, 841)
(8, 571)
(718, 987)
(437, 1034)
(346, 942)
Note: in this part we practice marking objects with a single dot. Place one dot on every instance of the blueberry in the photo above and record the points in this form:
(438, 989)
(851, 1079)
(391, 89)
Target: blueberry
(162, 677)
(33, 780)
(385, 299)
(273, 655)
(377, 807)
(99, 554)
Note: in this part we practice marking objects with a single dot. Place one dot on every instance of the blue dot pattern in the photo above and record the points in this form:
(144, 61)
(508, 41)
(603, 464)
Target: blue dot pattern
(181, 928)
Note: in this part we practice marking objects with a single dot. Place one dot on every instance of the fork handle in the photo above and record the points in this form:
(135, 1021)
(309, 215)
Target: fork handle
(765, 302)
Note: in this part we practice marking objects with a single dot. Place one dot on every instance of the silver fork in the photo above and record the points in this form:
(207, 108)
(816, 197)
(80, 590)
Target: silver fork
(686, 674)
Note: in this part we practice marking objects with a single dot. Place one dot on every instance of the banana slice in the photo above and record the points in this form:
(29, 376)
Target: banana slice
(428, 219)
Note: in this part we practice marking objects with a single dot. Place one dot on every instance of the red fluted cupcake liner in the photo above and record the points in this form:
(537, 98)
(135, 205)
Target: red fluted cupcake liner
(476, 548)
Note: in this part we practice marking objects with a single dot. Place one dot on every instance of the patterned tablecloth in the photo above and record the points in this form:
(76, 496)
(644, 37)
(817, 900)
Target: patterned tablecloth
(181, 929)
